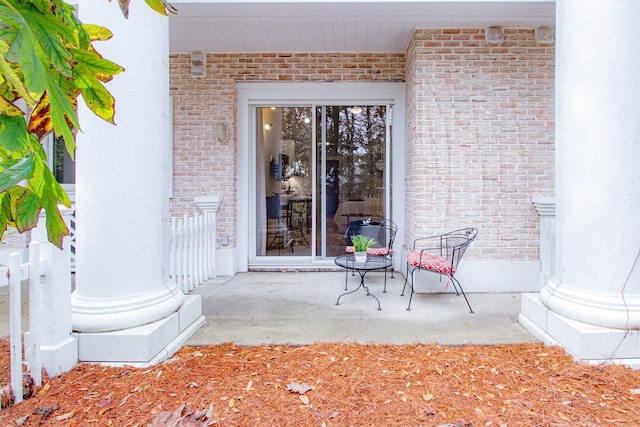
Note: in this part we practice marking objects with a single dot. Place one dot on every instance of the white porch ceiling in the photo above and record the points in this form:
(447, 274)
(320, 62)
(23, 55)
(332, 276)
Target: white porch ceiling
(336, 26)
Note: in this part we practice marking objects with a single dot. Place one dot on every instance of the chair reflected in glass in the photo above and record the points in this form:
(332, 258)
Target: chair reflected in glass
(382, 231)
(277, 229)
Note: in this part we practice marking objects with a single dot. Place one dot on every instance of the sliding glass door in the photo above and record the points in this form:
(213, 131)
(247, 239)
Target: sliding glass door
(317, 168)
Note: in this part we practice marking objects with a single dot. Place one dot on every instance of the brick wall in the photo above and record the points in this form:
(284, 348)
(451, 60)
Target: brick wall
(479, 129)
(201, 164)
(480, 137)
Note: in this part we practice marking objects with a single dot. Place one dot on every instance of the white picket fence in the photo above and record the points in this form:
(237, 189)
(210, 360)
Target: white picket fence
(12, 277)
(192, 262)
(192, 250)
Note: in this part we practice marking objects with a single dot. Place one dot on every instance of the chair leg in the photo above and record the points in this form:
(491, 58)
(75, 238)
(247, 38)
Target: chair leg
(411, 296)
(406, 276)
(463, 294)
(384, 291)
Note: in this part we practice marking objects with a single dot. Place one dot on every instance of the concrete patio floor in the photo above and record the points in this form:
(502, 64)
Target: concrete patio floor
(300, 308)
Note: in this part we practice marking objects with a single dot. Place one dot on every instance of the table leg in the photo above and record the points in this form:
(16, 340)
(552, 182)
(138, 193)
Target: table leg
(361, 285)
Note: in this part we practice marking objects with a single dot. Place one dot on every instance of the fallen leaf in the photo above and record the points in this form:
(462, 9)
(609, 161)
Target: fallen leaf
(563, 416)
(427, 396)
(635, 391)
(249, 384)
(304, 399)
(232, 402)
(44, 389)
(65, 416)
(300, 388)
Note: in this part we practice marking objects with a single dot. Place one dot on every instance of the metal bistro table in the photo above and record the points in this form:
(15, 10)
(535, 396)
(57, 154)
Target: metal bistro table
(372, 263)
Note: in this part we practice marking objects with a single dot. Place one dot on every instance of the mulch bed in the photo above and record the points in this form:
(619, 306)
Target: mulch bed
(338, 385)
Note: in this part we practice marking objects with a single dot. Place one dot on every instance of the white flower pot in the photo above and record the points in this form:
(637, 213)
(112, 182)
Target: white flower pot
(361, 256)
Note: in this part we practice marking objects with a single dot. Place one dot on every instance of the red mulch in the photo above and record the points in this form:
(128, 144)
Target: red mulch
(350, 385)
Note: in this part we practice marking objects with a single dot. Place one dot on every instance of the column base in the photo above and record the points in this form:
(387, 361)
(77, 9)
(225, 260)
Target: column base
(143, 345)
(587, 343)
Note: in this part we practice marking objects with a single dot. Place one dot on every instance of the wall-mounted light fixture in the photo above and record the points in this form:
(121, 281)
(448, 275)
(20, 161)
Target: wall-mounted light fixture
(355, 110)
(545, 35)
(494, 34)
(268, 126)
(222, 132)
(198, 65)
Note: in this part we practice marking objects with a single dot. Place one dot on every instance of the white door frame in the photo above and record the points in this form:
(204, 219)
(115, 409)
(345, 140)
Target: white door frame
(254, 94)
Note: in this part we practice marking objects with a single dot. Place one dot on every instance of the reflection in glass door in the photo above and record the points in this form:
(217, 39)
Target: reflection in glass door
(351, 158)
(284, 175)
(343, 179)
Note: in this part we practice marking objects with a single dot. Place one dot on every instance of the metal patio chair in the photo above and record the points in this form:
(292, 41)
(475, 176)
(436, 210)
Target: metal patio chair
(276, 225)
(439, 254)
(382, 230)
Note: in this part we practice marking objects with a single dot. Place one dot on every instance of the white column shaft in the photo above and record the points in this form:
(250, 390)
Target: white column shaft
(597, 277)
(122, 203)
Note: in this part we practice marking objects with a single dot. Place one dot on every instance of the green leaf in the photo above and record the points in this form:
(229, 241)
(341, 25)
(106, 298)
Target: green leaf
(158, 6)
(13, 133)
(62, 110)
(97, 32)
(28, 208)
(52, 35)
(93, 91)
(9, 109)
(14, 171)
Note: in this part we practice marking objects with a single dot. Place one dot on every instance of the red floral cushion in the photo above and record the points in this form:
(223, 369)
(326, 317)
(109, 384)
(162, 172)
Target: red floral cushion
(378, 251)
(429, 262)
(370, 251)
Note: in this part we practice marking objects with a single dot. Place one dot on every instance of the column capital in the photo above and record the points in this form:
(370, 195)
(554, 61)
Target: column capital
(209, 203)
(545, 205)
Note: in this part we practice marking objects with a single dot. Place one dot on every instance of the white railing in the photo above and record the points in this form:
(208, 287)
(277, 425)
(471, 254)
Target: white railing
(192, 250)
(12, 276)
(72, 239)
(49, 343)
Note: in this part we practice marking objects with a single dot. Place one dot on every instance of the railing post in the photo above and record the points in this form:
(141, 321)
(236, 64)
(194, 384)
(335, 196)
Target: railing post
(210, 205)
(15, 325)
(55, 348)
(546, 208)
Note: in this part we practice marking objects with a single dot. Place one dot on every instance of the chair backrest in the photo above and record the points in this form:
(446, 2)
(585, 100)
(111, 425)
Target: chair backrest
(455, 243)
(273, 207)
(383, 231)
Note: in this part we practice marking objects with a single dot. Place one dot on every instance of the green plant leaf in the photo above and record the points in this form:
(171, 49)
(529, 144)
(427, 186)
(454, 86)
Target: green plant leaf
(9, 109)
(13, 133)
(14, 171)
(93, 91)
(28, 208)
(52, 35)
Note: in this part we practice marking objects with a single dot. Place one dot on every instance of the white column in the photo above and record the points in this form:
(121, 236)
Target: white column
(597, 279)
(122, 203)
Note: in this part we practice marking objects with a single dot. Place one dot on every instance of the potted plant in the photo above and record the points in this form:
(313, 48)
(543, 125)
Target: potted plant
(360, 245)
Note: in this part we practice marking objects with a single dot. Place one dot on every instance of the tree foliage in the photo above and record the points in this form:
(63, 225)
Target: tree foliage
(47, 59)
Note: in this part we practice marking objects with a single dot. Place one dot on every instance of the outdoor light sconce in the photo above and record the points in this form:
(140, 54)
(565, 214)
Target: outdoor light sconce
(545, 34)
(494, 34)
(198, 65)
(355, 110)
(222, 132)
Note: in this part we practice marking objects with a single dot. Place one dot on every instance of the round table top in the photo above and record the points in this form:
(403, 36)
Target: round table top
(373, 262)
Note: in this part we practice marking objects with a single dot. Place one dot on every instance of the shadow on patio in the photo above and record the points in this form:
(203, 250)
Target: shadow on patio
(300, 308)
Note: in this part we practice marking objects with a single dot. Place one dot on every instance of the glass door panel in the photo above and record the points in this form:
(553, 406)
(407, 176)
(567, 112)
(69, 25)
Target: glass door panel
(351, 157)
(348, 167)
(284, 168)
